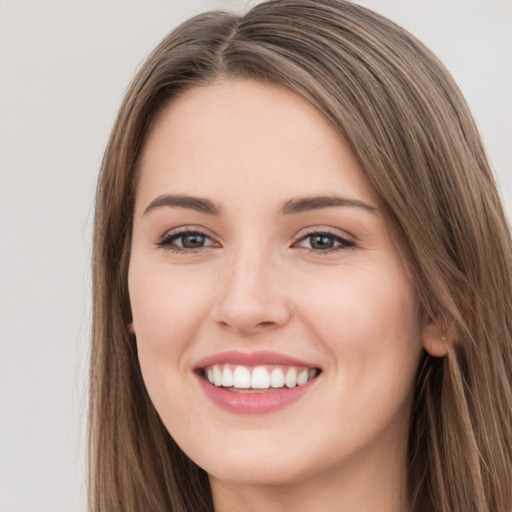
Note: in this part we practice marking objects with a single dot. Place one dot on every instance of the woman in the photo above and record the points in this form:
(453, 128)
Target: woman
(302, 277)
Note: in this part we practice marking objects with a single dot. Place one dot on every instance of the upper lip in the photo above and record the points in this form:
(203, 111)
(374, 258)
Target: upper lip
(259, 358)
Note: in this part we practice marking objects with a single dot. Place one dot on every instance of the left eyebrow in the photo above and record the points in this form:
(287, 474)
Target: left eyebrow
(306, 204)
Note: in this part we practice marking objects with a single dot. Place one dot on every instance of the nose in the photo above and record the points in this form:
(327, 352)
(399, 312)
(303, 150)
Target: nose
(251, 299)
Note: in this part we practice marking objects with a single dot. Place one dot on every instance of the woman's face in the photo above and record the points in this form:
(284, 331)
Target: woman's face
(261, 261)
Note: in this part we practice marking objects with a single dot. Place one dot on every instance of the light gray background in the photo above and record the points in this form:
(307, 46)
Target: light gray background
(64, 67)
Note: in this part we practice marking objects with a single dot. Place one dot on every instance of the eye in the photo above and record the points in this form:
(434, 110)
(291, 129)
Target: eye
(321, 241)
(186, 241)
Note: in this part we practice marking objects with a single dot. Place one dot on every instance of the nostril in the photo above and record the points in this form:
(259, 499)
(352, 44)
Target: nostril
(247, 327)
(266, 324)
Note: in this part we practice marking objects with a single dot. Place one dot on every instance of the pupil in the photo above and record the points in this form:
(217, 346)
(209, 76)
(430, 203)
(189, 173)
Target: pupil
(193, 241)
(321, 242)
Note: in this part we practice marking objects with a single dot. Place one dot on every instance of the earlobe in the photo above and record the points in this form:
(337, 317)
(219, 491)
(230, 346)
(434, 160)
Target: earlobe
(131, 328)
(434, 340)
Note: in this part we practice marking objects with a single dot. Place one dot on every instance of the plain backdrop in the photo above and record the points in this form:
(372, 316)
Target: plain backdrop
(64, 67)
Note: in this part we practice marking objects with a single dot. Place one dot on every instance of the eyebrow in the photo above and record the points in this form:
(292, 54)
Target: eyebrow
(291, 207)
(181, 201)
(306, 204)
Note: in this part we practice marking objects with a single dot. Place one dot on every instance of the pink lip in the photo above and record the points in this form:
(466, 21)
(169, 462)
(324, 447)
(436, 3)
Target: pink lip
(251, 359)
(252, 402)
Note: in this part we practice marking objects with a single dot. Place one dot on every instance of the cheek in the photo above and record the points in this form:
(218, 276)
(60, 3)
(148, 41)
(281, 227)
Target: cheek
(166, 306)
(168, 313)
(368, 320)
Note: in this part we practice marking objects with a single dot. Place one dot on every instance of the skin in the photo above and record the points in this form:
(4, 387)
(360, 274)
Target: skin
(258, 284)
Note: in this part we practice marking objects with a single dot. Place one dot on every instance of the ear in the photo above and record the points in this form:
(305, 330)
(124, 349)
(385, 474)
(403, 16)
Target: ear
(434, 339)
(131, 328)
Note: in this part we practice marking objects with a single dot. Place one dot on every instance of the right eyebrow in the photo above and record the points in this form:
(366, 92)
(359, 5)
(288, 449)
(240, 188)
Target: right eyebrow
(183, 201)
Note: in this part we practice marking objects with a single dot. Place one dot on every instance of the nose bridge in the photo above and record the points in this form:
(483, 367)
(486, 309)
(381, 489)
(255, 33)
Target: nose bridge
(249, 298)
(252, 264)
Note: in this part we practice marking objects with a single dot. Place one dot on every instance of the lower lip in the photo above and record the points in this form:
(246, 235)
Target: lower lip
(253, 403)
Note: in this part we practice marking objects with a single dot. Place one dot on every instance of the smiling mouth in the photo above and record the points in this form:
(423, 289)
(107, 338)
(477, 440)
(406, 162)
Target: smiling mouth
(257, 379)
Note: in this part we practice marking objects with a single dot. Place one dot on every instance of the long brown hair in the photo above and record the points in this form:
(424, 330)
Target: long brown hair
(407, 123)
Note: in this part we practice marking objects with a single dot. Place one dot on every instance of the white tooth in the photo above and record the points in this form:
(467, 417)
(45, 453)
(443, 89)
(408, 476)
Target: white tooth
(291, 378)
(241, 377)
(227, 377)
(210, 375)
(260, 378)
(217, 375)
(277, 378)
(312, 373)
(302, 378)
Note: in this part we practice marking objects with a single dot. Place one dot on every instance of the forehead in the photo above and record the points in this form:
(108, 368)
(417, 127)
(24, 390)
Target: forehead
(247, 134)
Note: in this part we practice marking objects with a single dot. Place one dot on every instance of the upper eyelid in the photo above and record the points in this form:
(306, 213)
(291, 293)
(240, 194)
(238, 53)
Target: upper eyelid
(302, 232)
(184, 230)
(305, 232)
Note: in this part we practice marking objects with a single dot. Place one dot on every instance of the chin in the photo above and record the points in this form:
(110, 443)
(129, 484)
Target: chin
(260, 463)
(270, 473)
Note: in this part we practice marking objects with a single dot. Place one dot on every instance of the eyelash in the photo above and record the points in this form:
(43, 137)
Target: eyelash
(344, 243)
(168, 240)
